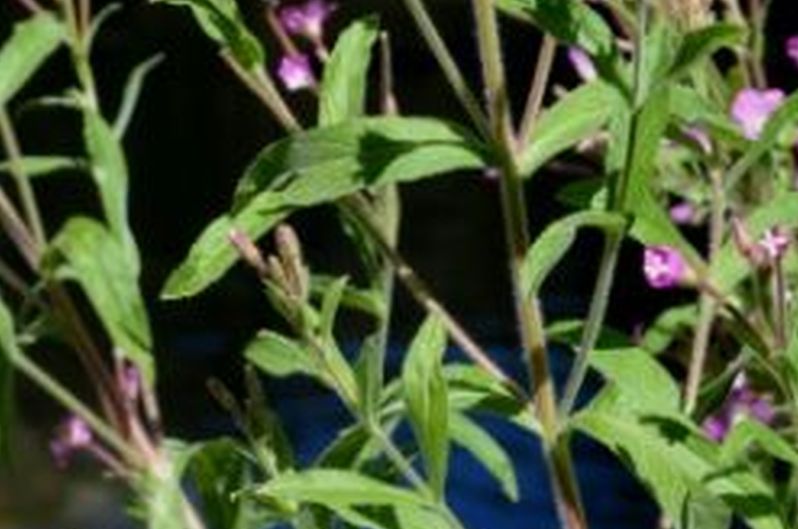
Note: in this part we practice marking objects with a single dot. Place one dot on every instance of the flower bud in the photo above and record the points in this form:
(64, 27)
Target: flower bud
(247, 250)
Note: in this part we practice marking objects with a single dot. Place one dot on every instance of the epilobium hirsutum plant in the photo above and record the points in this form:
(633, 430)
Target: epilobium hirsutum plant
(683, 140)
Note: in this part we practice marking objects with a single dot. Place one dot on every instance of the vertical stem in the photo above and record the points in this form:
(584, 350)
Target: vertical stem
(450, 69)
(528, 313)
(595, 320)
(14, 153)
(708, 304)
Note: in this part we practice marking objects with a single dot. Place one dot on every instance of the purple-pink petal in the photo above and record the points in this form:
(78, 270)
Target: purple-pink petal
(663, 266)
(682, 213)
(307, 19)
(296, 72)
(752, 108)
(71, 435)
(774, 243)
(582, 63)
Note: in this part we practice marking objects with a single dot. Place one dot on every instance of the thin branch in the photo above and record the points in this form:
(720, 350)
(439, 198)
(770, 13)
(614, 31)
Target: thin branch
(540, 81)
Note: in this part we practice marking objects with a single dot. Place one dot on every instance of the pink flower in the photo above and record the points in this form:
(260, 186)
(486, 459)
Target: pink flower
(791, 48)
(752, 108)
(71, 436)
(307, 19)
(663, 267)
(682, 213)
(741, 401)
(774, 243)
(582, 63)
(296, 73)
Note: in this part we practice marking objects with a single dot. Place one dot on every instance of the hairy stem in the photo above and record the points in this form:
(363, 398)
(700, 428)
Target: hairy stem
(708, 304)
(528, 314)
(450, 69)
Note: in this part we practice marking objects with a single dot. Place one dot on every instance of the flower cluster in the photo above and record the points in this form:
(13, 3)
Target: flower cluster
(307, 21)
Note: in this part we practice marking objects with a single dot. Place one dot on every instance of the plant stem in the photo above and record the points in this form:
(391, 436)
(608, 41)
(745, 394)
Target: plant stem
(14, 153)
(73, 404)
(540, 81)
(528, 313)
(424, 297)
(450, 69)
(262, 86)
(708, 304)
(595, 320)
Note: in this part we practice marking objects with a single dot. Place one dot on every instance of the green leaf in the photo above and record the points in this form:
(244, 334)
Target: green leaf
(661, 334)
(366, 301)
(109, 170)
(702, 43)
(747, 432)
(640, 382)
(130, 97)
(40, 166)
(334, 488)
(30, 44)
(318, 166)
(222, 22)
(331, 302)
(219, 468)
(425, 393)
(786, 115)
(550, 247)
(570, 21)
(96, 260)
(580, 114)
(703, 511)
(672, 460)
(279, 356)
(486, 450)
(570, 332)
(652, 225)
(8, 350)
(342, 94)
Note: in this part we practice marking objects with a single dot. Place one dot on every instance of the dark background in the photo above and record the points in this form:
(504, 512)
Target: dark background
(194, 132)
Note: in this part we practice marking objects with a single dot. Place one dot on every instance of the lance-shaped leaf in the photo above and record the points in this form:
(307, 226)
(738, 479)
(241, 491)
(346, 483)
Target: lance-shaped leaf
(579, 115)
(638, 380)
(342, 94)
(550, 247)
(222, 21)
(702, 43)
(30, 44)
(318, 166)
(486, 450)
(133, 86)
(570, 21)
(672, 460)
(109, 170)
(41, 166)
(425, 394)
(279, 356)
(86, 252)
(336, 489)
